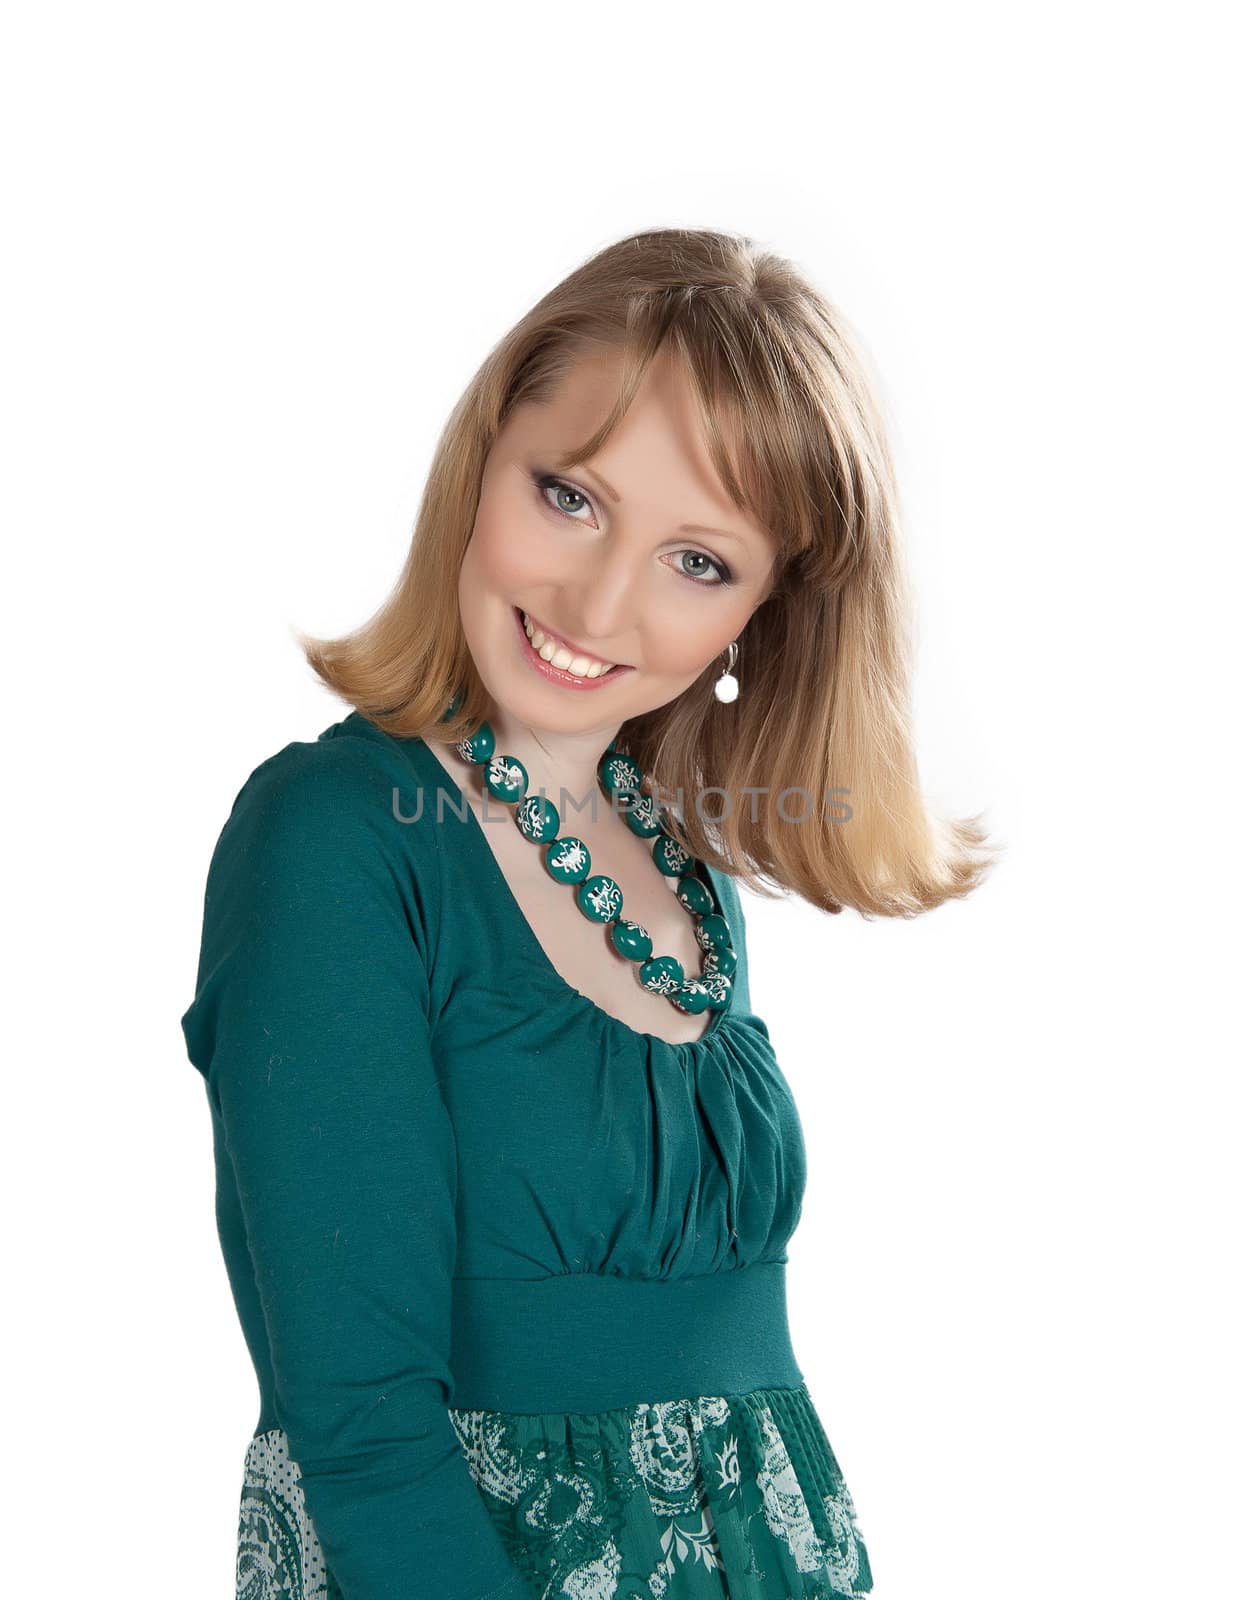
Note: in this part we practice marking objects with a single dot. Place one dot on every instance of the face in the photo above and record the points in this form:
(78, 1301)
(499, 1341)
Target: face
(597, 556)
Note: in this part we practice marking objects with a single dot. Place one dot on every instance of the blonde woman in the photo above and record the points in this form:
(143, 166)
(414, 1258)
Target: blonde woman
(507, 1170)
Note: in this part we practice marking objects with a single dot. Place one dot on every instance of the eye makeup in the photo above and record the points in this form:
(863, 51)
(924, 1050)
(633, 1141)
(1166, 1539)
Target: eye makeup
(547, 482)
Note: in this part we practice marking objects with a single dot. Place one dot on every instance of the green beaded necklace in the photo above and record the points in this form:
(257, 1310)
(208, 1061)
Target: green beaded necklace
(599, 897)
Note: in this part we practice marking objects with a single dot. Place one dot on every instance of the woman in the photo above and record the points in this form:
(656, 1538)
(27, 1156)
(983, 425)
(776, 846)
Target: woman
(505, 1194)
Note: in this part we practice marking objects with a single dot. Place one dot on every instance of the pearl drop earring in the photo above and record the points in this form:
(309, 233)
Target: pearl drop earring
(727, 686)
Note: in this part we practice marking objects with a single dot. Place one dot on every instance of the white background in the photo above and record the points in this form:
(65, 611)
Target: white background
(254, 254)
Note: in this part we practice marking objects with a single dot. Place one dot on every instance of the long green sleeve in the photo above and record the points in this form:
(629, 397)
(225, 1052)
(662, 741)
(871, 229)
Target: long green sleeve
(311, 1027)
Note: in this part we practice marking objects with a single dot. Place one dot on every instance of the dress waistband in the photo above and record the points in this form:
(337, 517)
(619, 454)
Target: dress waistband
(588, 1341)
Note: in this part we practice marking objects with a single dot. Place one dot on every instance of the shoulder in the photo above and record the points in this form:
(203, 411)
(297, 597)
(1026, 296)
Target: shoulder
(312, 877)
(325, 807)
(308, 779)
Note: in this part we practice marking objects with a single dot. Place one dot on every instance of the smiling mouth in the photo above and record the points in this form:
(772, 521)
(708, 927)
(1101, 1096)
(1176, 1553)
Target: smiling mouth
(562, 654)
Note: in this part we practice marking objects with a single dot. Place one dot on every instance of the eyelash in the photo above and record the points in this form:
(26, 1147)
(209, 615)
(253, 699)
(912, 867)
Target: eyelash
(547, 480)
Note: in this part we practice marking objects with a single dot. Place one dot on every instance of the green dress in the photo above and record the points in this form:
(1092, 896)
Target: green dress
(511, 1273)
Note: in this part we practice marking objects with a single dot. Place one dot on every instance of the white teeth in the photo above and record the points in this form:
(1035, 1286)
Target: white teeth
(549, 649)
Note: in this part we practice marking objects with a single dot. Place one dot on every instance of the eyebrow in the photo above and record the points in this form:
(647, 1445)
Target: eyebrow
(684, 527)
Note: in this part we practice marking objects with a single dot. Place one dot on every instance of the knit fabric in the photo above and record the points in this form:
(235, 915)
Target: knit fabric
(510, 1272)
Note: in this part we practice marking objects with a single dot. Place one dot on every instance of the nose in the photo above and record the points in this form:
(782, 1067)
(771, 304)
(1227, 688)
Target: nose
(601, 604)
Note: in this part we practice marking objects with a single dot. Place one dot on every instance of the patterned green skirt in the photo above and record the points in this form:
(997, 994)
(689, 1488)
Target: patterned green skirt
(736, 1497)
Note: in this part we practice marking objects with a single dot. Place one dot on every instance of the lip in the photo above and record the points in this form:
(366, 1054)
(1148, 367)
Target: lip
(560, 675)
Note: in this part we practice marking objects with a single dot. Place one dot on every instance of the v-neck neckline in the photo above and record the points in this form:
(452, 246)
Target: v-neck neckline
(473, 828)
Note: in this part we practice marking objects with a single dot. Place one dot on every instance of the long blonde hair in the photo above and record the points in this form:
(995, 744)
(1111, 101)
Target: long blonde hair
(823, 662)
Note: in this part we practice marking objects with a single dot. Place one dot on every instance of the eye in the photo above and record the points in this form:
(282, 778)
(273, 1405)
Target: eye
(723, 574)
(548, 484)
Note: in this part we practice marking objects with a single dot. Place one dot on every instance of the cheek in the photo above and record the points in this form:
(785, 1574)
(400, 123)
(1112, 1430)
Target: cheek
(682, 643)
(509, 547)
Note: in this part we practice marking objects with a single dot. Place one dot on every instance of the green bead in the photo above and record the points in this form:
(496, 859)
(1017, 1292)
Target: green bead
(695, 894)
(620, 775)
(712, 932)
(452, 708)
(506, 778)
(670, 857)
(631, 940)
(720, 989)
(661, 975)
(693, 997)
(600, 898)
(721, 960)
(537, 818)
(643, 817)
(568, 860)
(480, 747)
